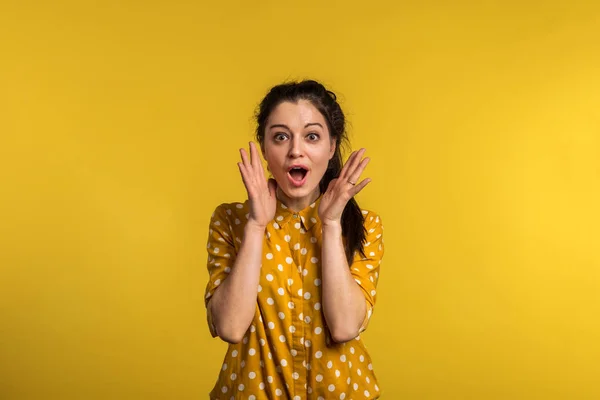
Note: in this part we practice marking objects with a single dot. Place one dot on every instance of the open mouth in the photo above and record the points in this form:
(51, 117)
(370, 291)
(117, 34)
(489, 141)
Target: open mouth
(297, 175)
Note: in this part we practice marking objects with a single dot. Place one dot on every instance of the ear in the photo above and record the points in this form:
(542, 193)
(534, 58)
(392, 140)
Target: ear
(332, 147)
(262, 151)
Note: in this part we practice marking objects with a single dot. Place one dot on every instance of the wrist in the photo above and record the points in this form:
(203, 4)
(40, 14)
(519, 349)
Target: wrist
(331, 225)
(254, 227)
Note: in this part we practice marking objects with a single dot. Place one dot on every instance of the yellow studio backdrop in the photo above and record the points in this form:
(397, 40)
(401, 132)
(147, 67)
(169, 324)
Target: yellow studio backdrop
(120, 124)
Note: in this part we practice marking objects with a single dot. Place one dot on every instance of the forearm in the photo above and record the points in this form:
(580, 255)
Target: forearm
(233, 304)
(343, 301)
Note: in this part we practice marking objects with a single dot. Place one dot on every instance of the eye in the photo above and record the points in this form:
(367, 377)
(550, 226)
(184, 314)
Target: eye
(312, 136)
(279, 137)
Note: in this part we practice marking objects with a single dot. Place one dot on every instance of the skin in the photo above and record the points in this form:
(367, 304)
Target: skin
(296, 133)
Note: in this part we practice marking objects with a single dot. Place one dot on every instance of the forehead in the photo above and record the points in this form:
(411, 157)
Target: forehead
(296, 115)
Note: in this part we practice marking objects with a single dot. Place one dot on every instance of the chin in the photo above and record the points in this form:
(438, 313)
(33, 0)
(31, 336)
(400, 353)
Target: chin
(296, 192)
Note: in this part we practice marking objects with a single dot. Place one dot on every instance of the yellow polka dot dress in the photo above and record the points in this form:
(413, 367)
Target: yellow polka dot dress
(288, 352)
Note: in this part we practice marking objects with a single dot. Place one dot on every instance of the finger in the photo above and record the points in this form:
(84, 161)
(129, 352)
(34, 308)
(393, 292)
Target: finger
(353, 161)
(272, 186)
(256, 162)
(355, 176)
(245, 160)
(331, 185)
(360, 186)
(245, 177)
(260, 167)
(345, 167)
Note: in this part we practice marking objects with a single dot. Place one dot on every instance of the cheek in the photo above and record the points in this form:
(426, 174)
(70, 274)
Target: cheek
(274, 167)
(324, 159)
(270, 157)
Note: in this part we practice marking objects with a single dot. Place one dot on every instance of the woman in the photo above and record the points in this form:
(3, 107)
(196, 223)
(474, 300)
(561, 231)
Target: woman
(293, 270)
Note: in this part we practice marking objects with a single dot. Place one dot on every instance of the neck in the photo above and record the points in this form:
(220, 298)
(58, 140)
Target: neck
(298, 203)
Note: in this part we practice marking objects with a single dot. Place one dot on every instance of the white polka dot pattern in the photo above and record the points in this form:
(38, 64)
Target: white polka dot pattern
(287, 352)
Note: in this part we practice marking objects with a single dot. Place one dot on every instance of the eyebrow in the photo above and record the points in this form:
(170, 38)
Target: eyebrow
(286, 127)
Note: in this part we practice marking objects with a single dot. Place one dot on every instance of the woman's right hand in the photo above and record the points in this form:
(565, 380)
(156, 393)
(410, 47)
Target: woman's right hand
(261, 194)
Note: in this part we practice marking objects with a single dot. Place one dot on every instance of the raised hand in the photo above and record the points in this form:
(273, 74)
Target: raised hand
(343, 188)
(261, 194)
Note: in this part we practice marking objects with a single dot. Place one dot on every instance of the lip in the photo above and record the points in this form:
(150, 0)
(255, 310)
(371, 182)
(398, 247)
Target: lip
(297, 166)
(294, 182)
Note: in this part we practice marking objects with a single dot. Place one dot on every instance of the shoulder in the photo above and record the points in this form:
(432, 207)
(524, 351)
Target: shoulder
(231, 211)
(371, 218)
(372, 224)
(227, 223)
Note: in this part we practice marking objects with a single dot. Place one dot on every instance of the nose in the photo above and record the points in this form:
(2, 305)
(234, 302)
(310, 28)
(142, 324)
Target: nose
(295, 150)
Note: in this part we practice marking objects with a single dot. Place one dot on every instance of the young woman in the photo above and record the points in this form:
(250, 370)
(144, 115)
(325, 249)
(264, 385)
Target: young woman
(294, 269)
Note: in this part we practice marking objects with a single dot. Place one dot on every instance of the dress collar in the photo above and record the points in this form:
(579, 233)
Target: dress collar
(307, 217)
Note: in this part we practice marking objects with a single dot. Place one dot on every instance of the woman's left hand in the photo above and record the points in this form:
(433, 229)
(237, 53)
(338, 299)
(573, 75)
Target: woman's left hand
(343, 188)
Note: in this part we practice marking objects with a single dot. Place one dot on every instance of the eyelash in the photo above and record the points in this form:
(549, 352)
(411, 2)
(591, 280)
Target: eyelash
(278, 135)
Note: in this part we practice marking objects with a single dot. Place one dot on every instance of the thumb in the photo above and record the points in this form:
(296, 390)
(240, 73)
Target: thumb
(331, 184)
(272, 184)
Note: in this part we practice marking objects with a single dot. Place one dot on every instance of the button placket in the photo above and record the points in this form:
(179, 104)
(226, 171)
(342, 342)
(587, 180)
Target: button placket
(298, 335)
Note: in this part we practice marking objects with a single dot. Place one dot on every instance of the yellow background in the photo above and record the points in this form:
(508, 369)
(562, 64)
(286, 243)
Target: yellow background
(120, 123)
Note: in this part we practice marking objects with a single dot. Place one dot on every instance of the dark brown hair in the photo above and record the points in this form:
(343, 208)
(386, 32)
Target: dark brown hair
(325, 101)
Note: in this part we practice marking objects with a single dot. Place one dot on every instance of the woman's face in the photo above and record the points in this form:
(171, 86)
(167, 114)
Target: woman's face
(297, 147)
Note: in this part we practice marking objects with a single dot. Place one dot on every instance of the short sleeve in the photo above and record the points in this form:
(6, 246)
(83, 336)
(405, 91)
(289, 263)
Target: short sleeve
(221, 255)
(365, 270)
